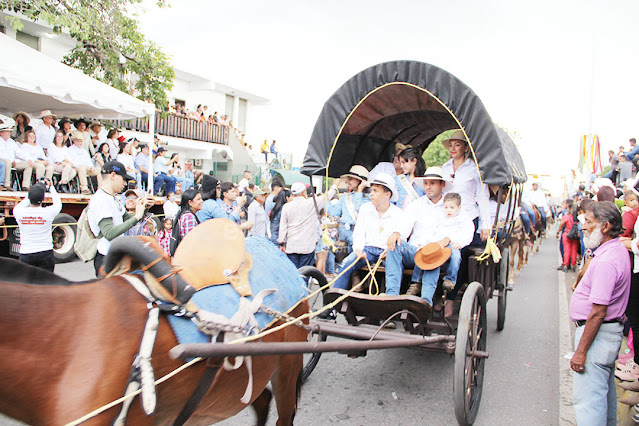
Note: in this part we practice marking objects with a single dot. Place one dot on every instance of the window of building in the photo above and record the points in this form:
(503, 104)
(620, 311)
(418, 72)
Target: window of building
(31, 41)
(228, 106)
(3, 30)
(241, 115)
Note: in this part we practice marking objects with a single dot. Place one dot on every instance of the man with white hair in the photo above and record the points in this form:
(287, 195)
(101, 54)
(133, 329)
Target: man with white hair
(45, 133)
(597, 307)
(8, 148)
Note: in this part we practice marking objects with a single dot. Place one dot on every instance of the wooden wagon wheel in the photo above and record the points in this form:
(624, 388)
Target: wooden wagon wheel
(314, 280)
(504, 270)
(470, 354)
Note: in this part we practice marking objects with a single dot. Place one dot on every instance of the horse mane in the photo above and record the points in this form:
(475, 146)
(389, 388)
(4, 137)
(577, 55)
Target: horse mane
(14, 271)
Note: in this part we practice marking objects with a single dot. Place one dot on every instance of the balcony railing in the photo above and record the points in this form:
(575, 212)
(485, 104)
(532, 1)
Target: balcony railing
(179, 127)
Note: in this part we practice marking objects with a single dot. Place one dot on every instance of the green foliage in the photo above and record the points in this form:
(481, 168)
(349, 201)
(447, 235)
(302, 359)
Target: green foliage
(109, 46)
(436, 154)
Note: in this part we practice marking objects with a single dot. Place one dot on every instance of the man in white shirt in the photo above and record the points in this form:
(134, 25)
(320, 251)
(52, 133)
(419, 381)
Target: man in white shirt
(245, 181)
(8, 149)
(34, 221)
(82, 163)
(298, 227)
(376, 222)
(424, 215)
(107, 214)
(95, 130)
(45, 133)
(257, 215)
(538, 198)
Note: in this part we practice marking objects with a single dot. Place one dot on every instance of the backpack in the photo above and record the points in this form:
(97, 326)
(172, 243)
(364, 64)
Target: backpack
(86, 243)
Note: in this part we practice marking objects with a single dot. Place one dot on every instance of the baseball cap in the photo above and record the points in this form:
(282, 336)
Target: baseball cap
(117, 168)
(297, 188)
(36, 193)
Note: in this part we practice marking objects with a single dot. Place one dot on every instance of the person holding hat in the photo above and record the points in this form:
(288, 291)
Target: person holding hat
(376, 222)
(8, 150)
(22, 120)
(298, 227)
(408, 187)
(347, 208)
(82, 162)
(45, 132)
(463, 176)
(34, 222)
(257, 215)
(424, 215)
(106, 215)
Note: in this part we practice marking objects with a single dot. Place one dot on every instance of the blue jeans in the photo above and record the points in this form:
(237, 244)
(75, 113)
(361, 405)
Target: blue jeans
(593, 392)
(372, 254)
(2, 171)
(525, 220)
(345, 235)
(300, 260)
(330, 262)
(157, 182)
(542, 212)
(402, 257)
(275, 229)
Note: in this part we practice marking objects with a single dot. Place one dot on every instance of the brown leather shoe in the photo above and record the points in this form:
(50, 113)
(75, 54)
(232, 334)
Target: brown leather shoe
(415, 289)
(449, 309)
(448, 286)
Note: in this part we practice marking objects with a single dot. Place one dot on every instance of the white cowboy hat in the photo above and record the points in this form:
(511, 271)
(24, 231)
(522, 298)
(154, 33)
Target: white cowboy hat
(6, 125)
(387, 181)
(47, 113)
(357, 172)
(434, 172)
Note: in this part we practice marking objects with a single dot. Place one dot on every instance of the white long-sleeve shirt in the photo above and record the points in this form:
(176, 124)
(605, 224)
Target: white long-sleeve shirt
(56, 154)
(424, 217)
(374, 231)
(79, 157)
(459, 229)
(32, 152)
(8, 149)
(45, 135)
(467, 183)
(538, 198)
(35, 224)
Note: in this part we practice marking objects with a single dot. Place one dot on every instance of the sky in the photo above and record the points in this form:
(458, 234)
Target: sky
(551, 71)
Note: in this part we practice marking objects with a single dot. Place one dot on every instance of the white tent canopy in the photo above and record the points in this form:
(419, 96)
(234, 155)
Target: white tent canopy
(31, 81)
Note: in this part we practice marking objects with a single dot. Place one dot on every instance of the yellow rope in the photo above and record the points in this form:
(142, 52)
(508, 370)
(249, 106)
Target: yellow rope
(373, 279)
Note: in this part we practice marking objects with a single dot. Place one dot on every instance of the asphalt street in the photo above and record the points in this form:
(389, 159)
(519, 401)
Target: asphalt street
(527, 379)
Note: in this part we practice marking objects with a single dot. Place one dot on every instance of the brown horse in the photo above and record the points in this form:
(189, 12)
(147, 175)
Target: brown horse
(517, 246)
(66, 349)
(537, 231)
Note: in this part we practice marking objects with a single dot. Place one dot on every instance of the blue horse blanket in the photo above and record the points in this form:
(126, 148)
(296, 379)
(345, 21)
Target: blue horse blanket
(271, 270)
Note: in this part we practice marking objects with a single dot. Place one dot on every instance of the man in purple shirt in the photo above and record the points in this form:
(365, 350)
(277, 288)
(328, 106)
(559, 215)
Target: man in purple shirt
(597, 307)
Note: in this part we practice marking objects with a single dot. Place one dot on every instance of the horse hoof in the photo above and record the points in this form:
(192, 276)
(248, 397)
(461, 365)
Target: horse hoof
(517, 273)
(511, 281)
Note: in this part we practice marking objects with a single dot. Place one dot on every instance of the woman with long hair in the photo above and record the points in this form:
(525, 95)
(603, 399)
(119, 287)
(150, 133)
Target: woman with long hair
(112, 141)
(462, 174)
(276, 213)
(103, 155)
(58, 156)
(568, 220)
(22, 120)
(64, 126)
(186, 219)
(33, 157)
(413, 166)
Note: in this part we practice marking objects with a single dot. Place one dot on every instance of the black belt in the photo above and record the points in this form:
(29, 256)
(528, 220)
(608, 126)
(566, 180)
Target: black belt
(579, 323)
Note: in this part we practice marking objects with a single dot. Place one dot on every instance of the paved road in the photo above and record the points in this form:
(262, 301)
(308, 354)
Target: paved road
(525, 377)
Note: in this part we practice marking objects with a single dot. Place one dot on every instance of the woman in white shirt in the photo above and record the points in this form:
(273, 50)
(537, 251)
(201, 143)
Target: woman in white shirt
(33, 155)
(58, 157)
(125, 157)
(463, 175)
(112, 141)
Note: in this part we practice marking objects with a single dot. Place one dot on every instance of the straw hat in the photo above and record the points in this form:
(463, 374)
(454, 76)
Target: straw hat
(357, 172)
(47, 113)
(6, 126)
(457, 135)
(434, 172)
(27, 119)
(431, 256)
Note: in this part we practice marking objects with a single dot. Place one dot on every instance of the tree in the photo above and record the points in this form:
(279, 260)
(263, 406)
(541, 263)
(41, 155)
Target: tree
(109, 46)
(436, 154)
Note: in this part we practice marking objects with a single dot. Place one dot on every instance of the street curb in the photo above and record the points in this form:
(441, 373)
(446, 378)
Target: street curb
(566, 412)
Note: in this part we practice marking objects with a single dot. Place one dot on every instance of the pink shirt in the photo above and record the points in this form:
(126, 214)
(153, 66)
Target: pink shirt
(606, 282)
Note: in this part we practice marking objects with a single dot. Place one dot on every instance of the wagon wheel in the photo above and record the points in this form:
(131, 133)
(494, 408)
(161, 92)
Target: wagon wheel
(470, 345)
(315, 280)
(504, 270)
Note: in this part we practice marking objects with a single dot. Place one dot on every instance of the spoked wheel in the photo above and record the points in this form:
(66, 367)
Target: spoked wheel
(470, 354)
(504, 270)
(314, 280)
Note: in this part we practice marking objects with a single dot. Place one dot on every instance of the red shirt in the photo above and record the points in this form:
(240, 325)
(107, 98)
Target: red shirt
(629, 218)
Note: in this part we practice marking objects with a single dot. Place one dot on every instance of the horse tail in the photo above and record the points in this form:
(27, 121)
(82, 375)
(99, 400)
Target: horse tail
(298, 390)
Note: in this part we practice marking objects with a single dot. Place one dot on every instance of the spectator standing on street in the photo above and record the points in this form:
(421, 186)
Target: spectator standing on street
(107, 214)
(597, 307)
(34, 221)
(276, 188)
(275, 212)
(298, 227)
(257, 215)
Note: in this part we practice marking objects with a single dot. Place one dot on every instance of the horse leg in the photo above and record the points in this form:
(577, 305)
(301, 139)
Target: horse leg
(511, 261)
(262, 406)
(287, 384)
(521, 249)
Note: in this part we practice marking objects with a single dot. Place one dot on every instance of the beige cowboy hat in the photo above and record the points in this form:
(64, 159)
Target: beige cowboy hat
(94, 123)
(357, 172)
(47, 113)
(431, 256)
(259, 191)
(27, 118)
(458, 135)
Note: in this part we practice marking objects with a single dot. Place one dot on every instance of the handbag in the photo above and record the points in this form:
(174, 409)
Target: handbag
(573, 234)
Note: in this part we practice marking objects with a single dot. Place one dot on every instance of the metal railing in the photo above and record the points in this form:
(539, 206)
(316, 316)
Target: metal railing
(177, 126)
